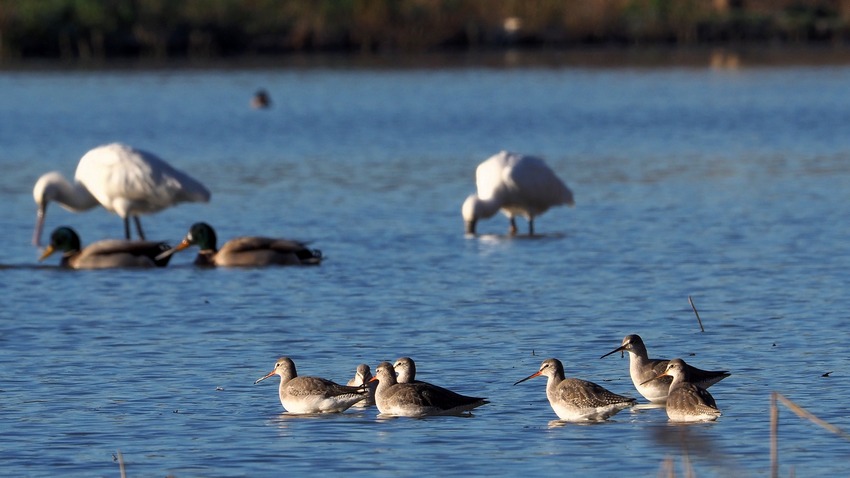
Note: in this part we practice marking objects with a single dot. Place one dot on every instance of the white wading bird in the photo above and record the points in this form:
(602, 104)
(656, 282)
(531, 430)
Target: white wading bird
(124, 180)
(517, 184)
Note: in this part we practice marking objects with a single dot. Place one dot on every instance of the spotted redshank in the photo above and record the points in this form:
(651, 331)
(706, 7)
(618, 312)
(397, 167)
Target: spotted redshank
(686, 401)
(361, 379)
(642, 369)
(417, 399)
(405, 370)
(303, 395)
(573, 399)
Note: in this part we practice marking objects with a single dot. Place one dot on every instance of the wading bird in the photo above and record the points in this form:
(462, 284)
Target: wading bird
(686, 401)
(642, 369)
(304, 395)
(418, 399)
(122, 179)
(516, 184)
(574, 399)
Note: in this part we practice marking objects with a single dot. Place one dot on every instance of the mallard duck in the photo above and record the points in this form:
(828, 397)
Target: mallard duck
(110, 253)
(124, 180)
(246, 251)
(516, 184)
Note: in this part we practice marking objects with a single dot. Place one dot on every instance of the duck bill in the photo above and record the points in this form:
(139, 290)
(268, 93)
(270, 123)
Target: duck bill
(47, 252)
(655, 378)
(264, 377)
(618, 349)
(179, 247)
(536, 374)
(469, 227)
(373, 379)
(39, 225)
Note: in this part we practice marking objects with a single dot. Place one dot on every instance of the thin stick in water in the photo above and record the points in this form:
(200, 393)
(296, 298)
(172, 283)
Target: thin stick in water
(803, 413)
(121, 464)
(774, 427)
(774, 431)
(691, 301)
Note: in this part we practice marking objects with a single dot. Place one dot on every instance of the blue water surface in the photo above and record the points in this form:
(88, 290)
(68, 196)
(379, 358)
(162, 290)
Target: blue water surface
(727, 186)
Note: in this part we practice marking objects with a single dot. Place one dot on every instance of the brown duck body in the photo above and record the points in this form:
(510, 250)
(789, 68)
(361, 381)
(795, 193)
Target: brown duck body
(114, 253)
(250, 251)
(107, 254)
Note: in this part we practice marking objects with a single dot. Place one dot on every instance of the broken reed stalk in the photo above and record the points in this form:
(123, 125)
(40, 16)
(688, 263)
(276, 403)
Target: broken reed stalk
(121, 464)
(800, 412)
(691, 301)
(774, 431)
(668, 468)
(803, 413)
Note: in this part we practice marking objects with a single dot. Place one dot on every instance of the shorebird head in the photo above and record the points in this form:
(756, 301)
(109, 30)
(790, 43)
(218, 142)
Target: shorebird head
(675, 368)
(284, 367)
(630, 344)
(384, 374)
(363, 374)
(549, 368)
(406, 369)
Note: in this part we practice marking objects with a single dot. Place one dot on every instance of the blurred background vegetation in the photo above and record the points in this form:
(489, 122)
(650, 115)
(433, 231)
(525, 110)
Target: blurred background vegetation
(102, 29)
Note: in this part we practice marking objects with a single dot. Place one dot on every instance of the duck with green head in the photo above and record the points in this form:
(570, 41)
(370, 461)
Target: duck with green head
(106, 254)
(245, 251)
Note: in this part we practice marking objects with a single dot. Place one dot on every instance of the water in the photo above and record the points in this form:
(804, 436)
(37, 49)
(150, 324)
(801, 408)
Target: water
(728, 186)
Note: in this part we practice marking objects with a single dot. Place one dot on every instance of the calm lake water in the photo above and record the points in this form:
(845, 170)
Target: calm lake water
(728, 186)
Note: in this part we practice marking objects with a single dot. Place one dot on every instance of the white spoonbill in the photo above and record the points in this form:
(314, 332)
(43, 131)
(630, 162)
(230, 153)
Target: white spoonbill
(122, 179)
(519, 185)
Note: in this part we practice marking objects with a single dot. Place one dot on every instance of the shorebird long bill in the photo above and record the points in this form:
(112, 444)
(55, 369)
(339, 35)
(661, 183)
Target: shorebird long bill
(655, 377)
(618, 349)
(536, 374)
(264, 377)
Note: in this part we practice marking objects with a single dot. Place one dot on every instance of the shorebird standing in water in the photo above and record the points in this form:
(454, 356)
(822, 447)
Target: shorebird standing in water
(642, 369)
(574, 399)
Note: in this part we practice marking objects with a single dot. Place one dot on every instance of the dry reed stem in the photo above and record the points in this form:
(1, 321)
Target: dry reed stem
(691, 301)
(121, 464)
(668, 469)
(803, 413)
(774, 427)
